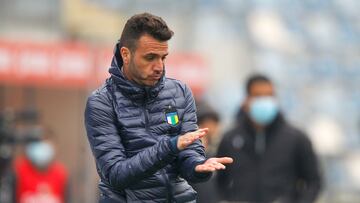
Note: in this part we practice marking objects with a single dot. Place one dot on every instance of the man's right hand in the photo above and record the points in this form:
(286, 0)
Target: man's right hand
(188, 138)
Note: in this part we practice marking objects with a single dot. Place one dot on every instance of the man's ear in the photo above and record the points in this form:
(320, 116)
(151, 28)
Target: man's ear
(125, 55)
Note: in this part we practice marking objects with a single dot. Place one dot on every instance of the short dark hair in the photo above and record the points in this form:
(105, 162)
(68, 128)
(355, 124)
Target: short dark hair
(254, 79)
(205, 112)
(144, 23)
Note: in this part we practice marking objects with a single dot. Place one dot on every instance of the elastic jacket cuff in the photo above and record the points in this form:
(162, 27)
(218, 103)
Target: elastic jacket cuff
(173, 144)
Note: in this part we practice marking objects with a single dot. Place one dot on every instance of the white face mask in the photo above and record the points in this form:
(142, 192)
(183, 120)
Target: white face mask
(40, 153)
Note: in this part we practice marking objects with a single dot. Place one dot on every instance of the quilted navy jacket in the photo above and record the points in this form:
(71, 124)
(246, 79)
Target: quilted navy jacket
(131, 140)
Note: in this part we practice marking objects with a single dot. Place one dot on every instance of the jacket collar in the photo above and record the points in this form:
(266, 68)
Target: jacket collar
(129, 88)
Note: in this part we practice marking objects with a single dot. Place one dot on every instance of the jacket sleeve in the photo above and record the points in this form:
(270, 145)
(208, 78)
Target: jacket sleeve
(308, 171)
(194, 154)
(113, 166)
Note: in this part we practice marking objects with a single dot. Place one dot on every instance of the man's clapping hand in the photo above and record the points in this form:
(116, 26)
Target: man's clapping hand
(188, 138)
(213, 164)
(209, 165)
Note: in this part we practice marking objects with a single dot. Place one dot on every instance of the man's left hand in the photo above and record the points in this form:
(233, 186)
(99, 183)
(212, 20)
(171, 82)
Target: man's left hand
(213, 164)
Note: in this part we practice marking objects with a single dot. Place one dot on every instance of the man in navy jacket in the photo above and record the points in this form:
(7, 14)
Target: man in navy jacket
(141, 125)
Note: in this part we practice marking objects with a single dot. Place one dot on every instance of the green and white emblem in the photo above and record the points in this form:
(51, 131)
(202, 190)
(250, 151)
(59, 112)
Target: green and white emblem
(172, 117)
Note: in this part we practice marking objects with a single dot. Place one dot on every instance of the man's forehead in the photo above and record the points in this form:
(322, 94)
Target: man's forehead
(262, 88)
(146, 43)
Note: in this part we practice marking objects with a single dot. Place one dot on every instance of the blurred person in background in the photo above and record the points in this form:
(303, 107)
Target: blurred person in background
(7, 150)
(208, 118)
(142, 126)
(273, 161)
(7, 178)
(39, 177)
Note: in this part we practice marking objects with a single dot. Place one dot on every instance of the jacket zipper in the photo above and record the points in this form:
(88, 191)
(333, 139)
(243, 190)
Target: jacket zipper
(259, 148)
(146, 113)
(260, 144)
(167, 185)
(163, 171)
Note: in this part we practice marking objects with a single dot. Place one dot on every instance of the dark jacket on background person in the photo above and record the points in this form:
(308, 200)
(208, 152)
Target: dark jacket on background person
(277, 165)
(7, 185)
(207, 191)
(132, 141)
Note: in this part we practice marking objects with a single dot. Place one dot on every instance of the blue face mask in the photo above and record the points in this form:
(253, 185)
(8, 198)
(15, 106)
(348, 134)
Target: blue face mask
(263, 110)
(40, 153)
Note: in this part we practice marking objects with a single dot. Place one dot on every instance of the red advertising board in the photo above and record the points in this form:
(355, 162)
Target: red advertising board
(65, 64)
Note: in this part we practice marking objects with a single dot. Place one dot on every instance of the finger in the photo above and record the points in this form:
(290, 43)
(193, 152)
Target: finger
(199, 132)
(189, 138)
(212, 166)
(217, 166)
(204, 168)
(193, 136)
(205, 130)
(220, 166)
(224, 160)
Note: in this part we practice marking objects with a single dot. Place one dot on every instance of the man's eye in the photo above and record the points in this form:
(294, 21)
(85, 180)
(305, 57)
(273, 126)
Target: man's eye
(149, 58)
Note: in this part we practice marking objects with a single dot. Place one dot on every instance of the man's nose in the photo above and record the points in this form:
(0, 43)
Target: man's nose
(159, 66)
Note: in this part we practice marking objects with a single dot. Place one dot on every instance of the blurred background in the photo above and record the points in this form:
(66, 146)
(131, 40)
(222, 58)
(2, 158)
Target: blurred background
(53, 54)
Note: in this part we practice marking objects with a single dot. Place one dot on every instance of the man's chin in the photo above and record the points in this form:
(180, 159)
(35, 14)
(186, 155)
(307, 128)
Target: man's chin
(151, 83)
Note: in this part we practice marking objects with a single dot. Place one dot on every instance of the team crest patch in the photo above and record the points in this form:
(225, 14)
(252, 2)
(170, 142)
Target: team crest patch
(172, 117)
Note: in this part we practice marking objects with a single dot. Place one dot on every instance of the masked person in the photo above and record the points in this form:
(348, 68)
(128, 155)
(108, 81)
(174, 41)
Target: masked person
(142, 126)
(39, 177)
(273, 161)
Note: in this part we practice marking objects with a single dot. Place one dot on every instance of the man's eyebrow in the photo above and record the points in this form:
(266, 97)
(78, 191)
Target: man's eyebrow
(155, 54)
